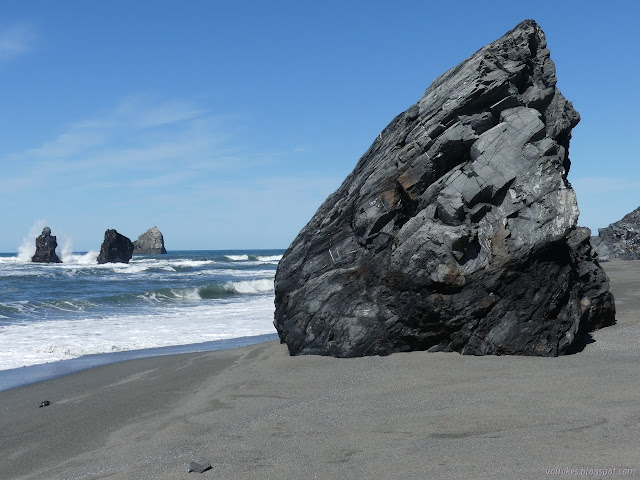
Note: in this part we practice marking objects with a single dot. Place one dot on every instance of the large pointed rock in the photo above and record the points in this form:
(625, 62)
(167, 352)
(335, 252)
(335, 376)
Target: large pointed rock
(150, 242)
(457, 229)
(116, 248)
(46, 248)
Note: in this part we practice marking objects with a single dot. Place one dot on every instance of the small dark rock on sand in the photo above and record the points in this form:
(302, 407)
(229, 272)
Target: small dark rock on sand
(199, 465)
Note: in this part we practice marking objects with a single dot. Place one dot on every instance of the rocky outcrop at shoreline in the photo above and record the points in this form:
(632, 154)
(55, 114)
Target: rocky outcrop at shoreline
(115, 248)
(46, 245)
(457, 229)
(620, 239)
(150, 242)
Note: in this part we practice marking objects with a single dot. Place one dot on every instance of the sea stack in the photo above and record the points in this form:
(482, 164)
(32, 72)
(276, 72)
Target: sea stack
(150, 242)
(115, 248)
(457, 229)
(46, 248)
(620, 239)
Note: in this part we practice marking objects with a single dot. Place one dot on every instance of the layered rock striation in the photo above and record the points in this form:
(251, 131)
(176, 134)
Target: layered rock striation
(620, 239)
(457, 229)
(115, 248)
(150, 242)
(46, 245)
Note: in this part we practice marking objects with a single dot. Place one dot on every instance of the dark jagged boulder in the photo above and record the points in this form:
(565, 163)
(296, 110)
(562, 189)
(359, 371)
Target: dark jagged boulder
(620, 239)
(457, 229)
(115, 248)
(150, 242)
(46, 245)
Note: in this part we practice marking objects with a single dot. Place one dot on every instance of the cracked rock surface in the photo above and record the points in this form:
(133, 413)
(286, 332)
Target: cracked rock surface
(620, 239)
(150, 242)
(46, 245)
(116, 248)
(457, 229)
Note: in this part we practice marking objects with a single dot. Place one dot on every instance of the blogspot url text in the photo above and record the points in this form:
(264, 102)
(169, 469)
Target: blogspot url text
(592, 472)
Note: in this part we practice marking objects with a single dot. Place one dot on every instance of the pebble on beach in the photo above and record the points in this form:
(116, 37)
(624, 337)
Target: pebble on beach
(199, 465)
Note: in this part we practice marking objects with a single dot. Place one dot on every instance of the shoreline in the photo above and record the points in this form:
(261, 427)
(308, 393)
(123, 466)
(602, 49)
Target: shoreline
(257, 413)
(22, 376)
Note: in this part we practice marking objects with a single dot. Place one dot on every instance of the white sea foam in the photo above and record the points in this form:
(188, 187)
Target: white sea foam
(270, 258)
(237, 258)
(216, 291)
(65, 247)
(251, 286)
(127, 267)
(19, 267)
(48, 341)
(237, 273)
(149, 302)
(27, 248)
(15, 267)
(192, 293)
(190, 263)
(89, 258)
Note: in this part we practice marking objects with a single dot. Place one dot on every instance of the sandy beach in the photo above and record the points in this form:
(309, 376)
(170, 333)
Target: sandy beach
(257, 413)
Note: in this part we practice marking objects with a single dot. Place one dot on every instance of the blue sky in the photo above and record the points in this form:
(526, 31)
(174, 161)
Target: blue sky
(226, 124)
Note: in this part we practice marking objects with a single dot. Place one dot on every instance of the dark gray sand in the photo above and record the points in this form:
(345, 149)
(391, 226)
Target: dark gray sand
(257, 413)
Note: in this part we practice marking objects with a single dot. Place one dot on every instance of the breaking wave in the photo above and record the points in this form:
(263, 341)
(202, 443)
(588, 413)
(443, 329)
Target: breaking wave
(52, 340)
(269, 258)
(218, 290)
(237, 258)
(54, 311)
(168, 296)
(259, 258)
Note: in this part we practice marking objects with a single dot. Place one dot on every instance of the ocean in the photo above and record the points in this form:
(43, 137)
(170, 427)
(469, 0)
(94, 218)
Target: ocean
(56, 312)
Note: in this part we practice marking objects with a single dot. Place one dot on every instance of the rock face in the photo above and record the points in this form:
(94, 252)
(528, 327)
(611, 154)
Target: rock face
(620, 239)
(46, 248)
(115, 248)
(457, 229)
(150, 242)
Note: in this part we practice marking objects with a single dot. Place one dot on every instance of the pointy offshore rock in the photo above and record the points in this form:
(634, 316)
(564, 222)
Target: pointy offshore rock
(457, 229)
(46, 248)
(116, 248)
(150, 242)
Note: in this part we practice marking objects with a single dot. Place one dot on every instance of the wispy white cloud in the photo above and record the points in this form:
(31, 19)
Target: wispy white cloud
(16, 40)
(69, 143)
(141, 183)
(591, 186)
(163, 180)
(140, 111)
(140, 143)
(146, 157)
(281, 193)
